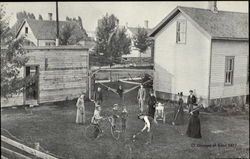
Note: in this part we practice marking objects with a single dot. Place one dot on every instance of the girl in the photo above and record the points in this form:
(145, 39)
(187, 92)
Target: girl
(80, 113)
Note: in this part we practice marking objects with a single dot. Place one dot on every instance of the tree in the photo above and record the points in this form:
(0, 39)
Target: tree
(65, 33)
(79, 22)
(141, 40)
(40, 17)
(24, 15)
(12, 60)
(112, 41)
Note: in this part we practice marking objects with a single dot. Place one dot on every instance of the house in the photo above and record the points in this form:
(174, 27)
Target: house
(205, 50)
(43, 32)
(131, 32)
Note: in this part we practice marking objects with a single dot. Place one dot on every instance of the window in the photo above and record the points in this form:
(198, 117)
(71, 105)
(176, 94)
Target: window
(26, 30)
(181, 31)
(229, 70)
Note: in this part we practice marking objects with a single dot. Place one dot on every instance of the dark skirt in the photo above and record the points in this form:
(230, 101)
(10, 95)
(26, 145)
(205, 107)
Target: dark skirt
(151, 111)
(179, 117)
(194, 127)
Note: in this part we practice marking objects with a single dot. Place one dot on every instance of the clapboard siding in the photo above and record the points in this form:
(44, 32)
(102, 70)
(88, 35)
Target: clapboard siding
(181, 67)
(66, 75)
(221, 49)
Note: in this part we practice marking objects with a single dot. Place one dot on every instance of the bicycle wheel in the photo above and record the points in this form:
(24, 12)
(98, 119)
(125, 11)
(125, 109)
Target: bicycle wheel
(115, 133)
(92, 131)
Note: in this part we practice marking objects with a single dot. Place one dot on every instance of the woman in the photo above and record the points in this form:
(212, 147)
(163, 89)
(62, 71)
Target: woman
(151, 104)
(179, 113)
(194, 126)
(80, 113)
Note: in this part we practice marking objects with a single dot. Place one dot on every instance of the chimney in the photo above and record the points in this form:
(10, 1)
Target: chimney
(146, 24)
(50, 16)
(212, 5)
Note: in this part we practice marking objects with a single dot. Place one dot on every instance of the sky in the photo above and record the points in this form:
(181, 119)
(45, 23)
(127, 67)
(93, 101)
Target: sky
(132, 13)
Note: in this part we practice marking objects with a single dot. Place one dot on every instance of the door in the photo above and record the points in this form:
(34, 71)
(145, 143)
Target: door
(31, 89)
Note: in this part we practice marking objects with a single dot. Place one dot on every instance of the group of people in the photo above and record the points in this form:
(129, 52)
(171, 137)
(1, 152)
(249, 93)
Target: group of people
(194, 128)
(146, 106)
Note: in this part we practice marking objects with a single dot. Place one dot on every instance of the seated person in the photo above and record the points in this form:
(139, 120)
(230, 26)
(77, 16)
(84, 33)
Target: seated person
(96, 119)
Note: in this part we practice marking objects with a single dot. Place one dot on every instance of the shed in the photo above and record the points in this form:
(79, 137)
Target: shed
(62, 75)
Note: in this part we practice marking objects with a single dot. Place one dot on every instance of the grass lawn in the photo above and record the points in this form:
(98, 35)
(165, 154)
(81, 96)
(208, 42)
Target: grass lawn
(53, 126)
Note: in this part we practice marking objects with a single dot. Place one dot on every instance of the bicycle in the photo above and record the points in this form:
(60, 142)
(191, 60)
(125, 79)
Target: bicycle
(93, 131)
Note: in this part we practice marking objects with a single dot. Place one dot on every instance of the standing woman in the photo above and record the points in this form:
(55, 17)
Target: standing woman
(80, 113)
(194, 126)
(179, 115)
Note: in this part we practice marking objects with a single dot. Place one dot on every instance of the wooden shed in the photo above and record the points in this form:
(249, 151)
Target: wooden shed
(62, 74)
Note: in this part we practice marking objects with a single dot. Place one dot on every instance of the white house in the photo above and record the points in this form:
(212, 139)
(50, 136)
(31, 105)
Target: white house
(204, 50)
(43, 32)
(131, 32)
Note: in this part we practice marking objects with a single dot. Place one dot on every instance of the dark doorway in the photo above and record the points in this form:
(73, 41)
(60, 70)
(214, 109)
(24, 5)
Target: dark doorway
(31, 90)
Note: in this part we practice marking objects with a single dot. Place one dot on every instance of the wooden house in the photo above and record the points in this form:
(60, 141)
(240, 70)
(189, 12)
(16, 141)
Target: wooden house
(43, 32)
(205, 50)
(61, 74)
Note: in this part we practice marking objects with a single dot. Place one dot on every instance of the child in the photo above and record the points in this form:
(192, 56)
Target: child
(115, 115)
(124, 117)
(96, 119)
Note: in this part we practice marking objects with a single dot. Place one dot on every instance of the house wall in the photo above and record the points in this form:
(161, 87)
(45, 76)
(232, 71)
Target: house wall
(240, 86)
(66, 75)
(43, 42)
(30, 36)
(181, 67)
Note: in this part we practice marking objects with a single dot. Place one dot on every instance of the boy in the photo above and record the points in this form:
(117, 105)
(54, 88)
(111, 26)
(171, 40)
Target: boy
(124, 117)
(115, 115)
(147, 125)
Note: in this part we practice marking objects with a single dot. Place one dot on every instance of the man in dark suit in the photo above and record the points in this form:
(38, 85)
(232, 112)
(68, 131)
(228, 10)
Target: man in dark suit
(191, 101)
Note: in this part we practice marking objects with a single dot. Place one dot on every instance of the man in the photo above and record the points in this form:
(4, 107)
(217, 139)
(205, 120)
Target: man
(147, 125)
(120, 92)
(141, 98)
(98, 96)
(191, 101)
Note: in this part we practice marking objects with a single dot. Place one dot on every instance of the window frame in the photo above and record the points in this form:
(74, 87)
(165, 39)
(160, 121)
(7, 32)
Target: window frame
(227, 59)
(180, 21)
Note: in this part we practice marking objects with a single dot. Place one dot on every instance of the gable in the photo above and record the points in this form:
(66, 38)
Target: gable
(225, 25)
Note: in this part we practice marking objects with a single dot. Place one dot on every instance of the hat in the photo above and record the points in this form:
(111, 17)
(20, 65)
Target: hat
(115, 107)
(191, 91)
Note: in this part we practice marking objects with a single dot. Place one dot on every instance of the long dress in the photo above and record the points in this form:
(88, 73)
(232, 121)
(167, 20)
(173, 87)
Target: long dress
(179, 113)
(80, 113)
(151, 106)
(194, 126)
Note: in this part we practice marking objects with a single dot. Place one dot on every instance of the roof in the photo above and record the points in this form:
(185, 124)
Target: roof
(46, 29)
(134, 30)
(221, 25)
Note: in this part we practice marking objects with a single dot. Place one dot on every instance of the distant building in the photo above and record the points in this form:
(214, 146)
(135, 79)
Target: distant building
(204, 50)
(131, 32)
(43, 32)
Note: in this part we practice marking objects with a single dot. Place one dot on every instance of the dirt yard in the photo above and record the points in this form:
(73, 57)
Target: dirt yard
(53, 126)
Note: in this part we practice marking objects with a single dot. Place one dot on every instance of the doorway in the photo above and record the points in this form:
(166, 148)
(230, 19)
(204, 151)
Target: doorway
(31, 89)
